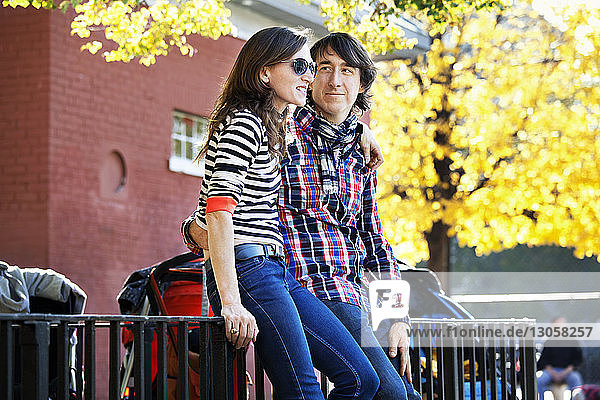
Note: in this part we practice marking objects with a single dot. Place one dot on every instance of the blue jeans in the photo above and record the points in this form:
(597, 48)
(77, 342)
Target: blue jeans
(392, 385)
(544, 382)
(293, 323)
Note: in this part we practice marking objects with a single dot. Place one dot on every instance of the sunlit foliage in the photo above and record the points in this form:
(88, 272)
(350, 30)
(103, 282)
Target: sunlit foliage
(494, 133)
(374, 21)
(145, 29)
(141, 31)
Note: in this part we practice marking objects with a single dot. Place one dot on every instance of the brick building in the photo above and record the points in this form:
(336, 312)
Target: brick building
(84, 152)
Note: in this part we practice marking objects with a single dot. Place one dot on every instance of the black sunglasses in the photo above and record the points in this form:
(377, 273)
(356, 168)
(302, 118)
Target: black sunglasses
(300, 66)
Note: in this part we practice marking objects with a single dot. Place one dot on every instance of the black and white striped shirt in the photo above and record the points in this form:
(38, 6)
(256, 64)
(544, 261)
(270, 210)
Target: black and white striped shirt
(242, 177)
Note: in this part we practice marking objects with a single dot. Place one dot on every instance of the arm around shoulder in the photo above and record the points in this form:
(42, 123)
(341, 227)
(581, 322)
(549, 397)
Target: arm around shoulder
(370, 147)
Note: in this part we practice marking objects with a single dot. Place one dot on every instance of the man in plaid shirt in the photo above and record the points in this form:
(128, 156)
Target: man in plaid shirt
(327, 208)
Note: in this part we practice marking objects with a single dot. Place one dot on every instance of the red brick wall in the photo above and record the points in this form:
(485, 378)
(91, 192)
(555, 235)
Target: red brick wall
(24, 121)
(82, 109)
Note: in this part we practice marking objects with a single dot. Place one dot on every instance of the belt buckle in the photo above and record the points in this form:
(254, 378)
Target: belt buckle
(279, 252)
(275, 251)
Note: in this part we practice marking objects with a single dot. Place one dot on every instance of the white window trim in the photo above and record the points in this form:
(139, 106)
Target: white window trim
(181, 164)
(176, 164)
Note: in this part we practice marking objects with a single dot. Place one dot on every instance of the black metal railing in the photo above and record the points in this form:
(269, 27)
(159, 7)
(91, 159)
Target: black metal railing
(56, 356)
(474, 359)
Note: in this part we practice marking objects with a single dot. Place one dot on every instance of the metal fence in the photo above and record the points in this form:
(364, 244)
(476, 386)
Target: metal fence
(479, 365)
(54, 356)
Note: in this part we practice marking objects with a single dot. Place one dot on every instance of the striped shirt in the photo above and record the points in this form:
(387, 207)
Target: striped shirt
(241, 177)
(330, 245)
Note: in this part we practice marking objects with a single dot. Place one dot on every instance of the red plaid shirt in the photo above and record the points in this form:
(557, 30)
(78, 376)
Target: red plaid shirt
(327, 243)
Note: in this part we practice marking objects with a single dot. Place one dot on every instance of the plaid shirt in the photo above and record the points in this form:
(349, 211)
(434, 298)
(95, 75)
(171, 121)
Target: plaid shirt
(327, 243)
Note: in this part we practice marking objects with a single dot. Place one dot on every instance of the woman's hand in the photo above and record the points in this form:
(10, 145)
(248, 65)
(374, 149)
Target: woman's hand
(370, 148)
(240, 325)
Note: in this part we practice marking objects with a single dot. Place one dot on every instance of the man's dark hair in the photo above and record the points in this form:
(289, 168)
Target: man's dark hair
(355, 55)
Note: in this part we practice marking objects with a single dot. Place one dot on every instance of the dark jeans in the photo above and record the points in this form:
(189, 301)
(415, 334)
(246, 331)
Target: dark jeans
(392, 385)
(293, 324)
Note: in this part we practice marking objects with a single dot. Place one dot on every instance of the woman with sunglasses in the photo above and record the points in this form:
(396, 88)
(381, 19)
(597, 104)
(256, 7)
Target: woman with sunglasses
(247, 282)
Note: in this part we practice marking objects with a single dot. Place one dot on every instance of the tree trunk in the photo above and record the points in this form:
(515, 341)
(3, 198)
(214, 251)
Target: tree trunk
(439, 248)
(439, 252)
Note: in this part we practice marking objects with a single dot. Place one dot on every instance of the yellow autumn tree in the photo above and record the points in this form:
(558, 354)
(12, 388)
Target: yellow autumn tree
(493, 135)
(145, 29)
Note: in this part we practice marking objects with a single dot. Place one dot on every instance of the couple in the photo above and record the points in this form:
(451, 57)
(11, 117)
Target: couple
(298, 183)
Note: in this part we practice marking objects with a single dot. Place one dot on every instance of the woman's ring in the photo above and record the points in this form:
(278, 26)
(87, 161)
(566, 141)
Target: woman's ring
(233, 331)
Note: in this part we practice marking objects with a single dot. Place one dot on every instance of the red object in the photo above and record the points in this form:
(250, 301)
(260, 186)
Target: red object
(180, 298)
(220, 203)
(184, 298)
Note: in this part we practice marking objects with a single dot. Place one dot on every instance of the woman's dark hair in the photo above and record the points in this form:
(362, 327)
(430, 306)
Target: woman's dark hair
(355, 55)
(244, 89)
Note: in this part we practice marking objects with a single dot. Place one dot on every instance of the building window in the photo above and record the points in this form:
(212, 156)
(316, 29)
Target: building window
(188, 136)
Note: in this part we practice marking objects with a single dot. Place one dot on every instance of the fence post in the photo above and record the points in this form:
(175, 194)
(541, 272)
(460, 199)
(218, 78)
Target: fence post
(472, 370)
(528, 379)
(415, 359)
(89, 360)
(512, 343)
(221, 363)
(79, 333)
(460, 342)
(503, 375)
(6, 359)
(183, 361)
(161, 360)
(483, 366)
(259, 378)
(493, 367)
(441, 372)
(64, 367)
(203, 361)
(428, 353)
(450, 367)
(114, 384)
(139, 360)
(35, 342)
(240, 366)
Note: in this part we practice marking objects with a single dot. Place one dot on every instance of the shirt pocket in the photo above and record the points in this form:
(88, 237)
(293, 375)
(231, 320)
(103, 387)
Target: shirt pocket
(352, 186)
(301, 186)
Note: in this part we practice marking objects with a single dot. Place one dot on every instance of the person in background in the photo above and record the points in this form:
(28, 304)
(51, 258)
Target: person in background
(558, 362)
(247, 282)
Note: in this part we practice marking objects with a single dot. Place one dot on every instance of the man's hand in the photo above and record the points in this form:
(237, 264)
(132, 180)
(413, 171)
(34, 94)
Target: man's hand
(199, 235)
(398, 340)
(370, 148)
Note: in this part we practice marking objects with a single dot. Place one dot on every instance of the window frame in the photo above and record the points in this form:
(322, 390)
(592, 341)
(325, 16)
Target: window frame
(181, 163)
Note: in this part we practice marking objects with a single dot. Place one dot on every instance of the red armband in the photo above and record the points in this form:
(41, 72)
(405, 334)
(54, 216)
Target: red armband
(220, 203)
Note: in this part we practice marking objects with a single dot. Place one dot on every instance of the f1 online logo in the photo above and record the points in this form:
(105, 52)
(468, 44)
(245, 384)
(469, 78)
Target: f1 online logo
(388, 300)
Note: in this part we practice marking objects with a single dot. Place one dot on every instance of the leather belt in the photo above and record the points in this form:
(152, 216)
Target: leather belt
(248, 250)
